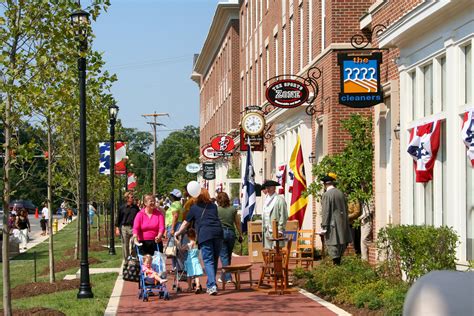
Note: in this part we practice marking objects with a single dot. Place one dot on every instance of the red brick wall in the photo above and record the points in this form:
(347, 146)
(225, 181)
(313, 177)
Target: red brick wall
(224, 105)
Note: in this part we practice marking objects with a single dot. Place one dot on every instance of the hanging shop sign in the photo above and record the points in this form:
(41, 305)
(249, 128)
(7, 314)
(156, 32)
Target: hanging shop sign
(223, 145)
(287, 93)
(360, 79)
(209, 152)
(209, 171)
(193, 167)
(256, 141)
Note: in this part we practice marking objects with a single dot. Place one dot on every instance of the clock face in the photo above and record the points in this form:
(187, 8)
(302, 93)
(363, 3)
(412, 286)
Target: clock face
(253, 123)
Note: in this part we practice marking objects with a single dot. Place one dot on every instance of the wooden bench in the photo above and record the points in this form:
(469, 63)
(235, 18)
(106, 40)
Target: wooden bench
(237, 269)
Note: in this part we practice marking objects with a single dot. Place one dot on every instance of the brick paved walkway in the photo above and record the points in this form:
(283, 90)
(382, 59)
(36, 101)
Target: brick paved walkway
(248, 301)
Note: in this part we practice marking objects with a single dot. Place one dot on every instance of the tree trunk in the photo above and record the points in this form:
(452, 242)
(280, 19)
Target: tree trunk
(52, 277)
(7, 303)
(76, 251)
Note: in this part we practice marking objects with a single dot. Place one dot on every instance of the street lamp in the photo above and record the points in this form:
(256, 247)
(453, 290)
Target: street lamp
(80, 23)
(113, 111)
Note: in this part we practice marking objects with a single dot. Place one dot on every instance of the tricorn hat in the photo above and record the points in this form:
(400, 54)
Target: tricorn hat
(270, 183)
(330, 177)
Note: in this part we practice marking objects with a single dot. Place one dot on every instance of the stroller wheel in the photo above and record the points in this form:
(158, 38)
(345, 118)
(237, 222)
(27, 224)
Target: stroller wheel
(178, 290)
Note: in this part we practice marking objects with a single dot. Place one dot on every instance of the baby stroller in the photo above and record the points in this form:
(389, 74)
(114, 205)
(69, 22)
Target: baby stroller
(146, 288)
(180, 256)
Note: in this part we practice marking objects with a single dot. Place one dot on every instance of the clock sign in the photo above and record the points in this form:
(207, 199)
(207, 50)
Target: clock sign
(253, 123)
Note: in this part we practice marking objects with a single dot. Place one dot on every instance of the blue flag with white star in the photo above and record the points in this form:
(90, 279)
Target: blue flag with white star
(104, 158)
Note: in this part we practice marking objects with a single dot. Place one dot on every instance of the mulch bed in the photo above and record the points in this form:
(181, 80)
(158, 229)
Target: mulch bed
(348, 308)
(93, 247)
(39, 288)
(38, 311)
(67, 263)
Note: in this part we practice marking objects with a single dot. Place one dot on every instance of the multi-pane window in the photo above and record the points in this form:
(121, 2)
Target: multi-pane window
(443, 83)
(428, 89)
(413, 94)
(467, 50)
(301, 36)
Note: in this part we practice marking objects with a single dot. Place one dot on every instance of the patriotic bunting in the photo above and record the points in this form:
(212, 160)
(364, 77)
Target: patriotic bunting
(423, 147)
(467, 134)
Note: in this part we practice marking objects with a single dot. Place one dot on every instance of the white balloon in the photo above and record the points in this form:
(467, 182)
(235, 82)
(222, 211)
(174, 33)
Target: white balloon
(194, 189)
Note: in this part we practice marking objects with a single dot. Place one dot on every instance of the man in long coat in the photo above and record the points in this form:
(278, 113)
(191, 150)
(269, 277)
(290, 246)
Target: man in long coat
(335, 219)
(274, 208)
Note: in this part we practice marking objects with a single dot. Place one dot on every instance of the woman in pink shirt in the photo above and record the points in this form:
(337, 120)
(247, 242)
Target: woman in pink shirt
(149, 227)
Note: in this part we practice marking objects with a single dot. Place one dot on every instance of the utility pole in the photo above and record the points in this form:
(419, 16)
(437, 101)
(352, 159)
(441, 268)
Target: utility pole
(154, 124)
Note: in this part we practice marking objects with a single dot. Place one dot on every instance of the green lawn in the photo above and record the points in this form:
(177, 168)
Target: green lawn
(22, 271)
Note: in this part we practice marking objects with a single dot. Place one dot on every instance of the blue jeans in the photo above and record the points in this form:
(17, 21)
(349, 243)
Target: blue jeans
(210, 250)
(226, 252)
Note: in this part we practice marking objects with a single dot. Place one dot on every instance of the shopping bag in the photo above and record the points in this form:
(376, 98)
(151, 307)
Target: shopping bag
(170, 250)
(158, 263)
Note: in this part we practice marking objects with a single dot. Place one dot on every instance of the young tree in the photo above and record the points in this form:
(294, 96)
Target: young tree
(353, 166)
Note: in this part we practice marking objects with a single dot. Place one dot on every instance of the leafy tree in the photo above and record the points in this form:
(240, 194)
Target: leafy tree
(173, 154)
(353, 166)
(37, 63)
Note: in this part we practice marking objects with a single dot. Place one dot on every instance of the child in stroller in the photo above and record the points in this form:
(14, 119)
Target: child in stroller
(153, 276)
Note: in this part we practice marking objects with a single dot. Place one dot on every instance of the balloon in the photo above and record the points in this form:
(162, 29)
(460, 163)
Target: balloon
(193, 188)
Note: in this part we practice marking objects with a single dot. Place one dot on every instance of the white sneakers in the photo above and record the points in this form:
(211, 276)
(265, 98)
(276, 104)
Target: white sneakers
(212, 290)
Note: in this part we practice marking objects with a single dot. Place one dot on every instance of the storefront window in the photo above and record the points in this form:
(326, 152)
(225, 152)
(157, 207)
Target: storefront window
(470, 209)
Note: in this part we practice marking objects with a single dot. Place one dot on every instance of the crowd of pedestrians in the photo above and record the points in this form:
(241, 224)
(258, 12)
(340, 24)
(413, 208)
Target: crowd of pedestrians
(205, 229)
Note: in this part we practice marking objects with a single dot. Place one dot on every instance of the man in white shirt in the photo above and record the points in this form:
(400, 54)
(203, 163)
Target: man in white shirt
(45, 213)
(274, 208)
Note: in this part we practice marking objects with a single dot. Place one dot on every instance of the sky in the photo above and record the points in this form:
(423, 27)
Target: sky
(150, 45)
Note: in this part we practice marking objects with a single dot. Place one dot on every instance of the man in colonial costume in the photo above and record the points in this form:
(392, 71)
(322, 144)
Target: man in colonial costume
(274, 208)
(335, 219)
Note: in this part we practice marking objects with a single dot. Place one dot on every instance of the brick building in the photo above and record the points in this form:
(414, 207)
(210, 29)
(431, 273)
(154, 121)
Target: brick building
(216, 72)
(426, 75)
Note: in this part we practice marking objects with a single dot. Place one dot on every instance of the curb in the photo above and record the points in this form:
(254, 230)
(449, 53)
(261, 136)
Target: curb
(112, 306)
(333, 308)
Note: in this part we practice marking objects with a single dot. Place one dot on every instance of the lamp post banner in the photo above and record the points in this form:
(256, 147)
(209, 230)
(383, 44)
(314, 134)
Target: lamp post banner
(104, 158)
(120, 157)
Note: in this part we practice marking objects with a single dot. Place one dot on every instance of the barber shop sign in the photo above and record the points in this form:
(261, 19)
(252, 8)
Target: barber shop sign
(223, 145)
(360, 79)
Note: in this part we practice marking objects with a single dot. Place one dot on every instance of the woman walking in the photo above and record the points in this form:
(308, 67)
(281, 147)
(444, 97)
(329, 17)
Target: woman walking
(149, 227)
(230, 220)
(209, 233)
(23, 224)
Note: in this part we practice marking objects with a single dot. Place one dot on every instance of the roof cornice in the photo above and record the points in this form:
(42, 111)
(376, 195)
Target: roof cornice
(225, 13)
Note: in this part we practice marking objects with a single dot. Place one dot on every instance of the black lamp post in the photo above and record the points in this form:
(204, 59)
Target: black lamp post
(113, 111)
(80, 23)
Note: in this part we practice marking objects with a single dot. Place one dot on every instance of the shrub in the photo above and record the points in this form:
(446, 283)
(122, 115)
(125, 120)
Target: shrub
(417, 250)
(356, 283)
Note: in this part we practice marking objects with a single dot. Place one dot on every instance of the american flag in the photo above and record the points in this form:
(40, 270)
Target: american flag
(104, 158)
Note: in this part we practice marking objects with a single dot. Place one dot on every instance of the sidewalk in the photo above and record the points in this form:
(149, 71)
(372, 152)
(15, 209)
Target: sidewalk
(35, 236)
(248, 301)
